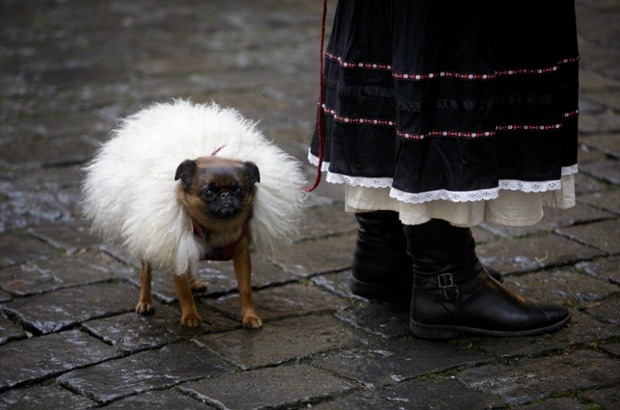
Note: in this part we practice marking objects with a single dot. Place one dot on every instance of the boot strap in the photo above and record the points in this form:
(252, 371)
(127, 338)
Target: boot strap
(445, 285)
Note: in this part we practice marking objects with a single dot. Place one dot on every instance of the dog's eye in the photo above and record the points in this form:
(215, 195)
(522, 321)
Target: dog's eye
(239, 190)
(207, 193)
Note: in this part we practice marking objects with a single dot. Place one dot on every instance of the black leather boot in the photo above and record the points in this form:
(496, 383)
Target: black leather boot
(381, 266)
(453, 294)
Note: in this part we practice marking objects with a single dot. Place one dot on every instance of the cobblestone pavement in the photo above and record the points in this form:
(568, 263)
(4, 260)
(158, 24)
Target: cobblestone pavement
(68, 335)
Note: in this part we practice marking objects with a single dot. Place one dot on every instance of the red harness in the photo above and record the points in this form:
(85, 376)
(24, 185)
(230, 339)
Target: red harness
(224, 253)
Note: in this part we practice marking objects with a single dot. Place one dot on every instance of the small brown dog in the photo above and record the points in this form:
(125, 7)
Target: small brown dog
(218, 193)
(212, 207)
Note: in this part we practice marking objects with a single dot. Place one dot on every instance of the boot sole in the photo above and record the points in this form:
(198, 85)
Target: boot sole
(451, 332)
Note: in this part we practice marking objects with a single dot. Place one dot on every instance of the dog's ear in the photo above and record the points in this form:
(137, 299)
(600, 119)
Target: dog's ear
(185, 172)
(252, 170)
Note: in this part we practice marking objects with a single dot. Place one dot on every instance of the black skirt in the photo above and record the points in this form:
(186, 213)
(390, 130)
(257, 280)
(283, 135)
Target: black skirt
(448, 99)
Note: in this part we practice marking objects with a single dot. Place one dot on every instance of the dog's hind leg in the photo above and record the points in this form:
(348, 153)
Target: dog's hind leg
(189, 313)
(145, 303)
(197, 285)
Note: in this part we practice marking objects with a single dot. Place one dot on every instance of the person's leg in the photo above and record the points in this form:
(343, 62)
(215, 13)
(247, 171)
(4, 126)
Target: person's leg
(453, 294)
(381, 266)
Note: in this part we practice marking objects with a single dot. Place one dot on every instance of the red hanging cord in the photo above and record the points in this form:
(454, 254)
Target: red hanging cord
(319, 120)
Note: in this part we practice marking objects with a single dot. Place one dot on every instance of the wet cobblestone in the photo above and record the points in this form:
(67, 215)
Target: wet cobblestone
(69, 336)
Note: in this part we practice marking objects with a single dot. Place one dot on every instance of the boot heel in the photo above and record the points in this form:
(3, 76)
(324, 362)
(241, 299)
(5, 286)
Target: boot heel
(431, 332)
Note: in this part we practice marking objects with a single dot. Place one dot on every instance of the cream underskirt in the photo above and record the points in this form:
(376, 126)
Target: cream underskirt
(512, 208)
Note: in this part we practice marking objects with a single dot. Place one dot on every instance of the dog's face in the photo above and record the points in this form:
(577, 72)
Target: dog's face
(217, 190)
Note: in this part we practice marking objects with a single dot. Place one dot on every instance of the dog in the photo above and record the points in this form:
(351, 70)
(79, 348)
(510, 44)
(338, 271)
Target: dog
(181, 182)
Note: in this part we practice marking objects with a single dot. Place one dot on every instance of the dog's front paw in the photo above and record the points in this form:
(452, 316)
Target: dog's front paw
(191, 319)
(145, 308)
(252, 322)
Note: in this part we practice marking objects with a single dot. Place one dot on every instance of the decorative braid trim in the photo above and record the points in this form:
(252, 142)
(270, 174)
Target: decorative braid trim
(369, 66)
(444, 133)
(442, 194)
(448, 74)
(357, 120)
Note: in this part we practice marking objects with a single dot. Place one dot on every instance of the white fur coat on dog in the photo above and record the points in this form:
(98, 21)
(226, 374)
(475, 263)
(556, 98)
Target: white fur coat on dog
(130, 191)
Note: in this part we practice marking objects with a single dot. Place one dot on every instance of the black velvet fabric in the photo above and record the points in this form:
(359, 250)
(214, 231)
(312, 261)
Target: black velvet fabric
(451, 95)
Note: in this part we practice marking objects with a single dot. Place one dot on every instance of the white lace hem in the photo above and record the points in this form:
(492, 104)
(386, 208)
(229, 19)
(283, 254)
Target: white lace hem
(442, 194)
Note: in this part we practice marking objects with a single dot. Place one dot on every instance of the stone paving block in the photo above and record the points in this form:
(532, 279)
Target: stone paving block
(10, 331)
(56, 126)
(18, 248)
(22, 209)
(75, 76)
(599, 124)
(607, 311)
(563, 403)
(281, 341)
(482, 233)
(185, 64)
(608, 199)
(435, 393)
(581, 330)
(608, 171)
(235, 81)
(131, 332)
(153, 369)
(311, 257)
(608, 144)
(62, 272)
(384, 319)
(602, 235)
(613, 348)
(532, 253)
(35, 151)
(41, 180)
(338, 284)
(169, 399)
(553, 218)
(585, 184)
(535, 379)
(564, 286)
(325, 194)
(605, 398)
(585, 154)
(43, 357)
(324, 221)
(283, 301)
(609, 98)
(271, 114)
(71, 236)
(589, 80)
(274, 387)
(389, 362)
(42, 397)
(604, 268)
(53, 311)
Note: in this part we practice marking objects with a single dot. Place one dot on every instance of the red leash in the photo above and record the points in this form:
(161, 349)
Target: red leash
(217, 150)
(319, 120)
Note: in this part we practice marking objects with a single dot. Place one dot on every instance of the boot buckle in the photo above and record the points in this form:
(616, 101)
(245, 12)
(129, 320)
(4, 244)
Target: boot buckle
(445, 282)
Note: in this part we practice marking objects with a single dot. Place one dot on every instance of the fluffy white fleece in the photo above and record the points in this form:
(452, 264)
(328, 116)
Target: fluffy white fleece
(129, 189)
